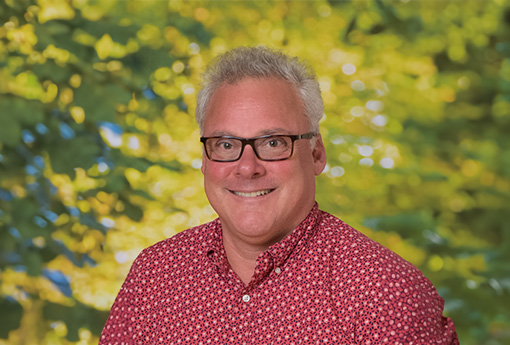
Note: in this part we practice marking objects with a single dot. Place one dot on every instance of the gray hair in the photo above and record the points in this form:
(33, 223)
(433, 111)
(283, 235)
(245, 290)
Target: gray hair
(260, 62)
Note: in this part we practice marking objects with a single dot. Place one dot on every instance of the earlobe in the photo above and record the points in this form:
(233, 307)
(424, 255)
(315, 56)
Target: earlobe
(202, 168)
(319, 156)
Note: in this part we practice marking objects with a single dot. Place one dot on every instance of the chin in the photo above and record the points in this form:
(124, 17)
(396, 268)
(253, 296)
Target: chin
(254, 225)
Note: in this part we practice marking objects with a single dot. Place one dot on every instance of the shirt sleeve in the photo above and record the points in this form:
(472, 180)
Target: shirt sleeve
(403, 308)
(120, 325)
(383, 298)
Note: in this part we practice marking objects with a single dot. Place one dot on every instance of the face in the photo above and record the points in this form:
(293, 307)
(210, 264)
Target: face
(260, 202)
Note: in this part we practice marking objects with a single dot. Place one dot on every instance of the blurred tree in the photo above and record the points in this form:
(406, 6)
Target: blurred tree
(81, 103)
(99, 152)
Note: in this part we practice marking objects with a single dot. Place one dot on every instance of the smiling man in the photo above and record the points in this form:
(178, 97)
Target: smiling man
(273, 268)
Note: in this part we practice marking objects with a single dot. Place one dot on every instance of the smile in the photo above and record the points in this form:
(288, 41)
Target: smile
(253, 194)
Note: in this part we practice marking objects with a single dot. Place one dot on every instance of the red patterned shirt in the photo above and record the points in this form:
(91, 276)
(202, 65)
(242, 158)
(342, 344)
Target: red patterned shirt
(324, 283)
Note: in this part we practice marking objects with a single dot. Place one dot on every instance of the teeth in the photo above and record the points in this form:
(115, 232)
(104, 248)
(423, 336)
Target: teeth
(253, 194)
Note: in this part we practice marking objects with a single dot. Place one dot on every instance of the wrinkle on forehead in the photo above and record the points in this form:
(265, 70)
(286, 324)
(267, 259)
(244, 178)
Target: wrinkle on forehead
(268, 131)
(255, 107)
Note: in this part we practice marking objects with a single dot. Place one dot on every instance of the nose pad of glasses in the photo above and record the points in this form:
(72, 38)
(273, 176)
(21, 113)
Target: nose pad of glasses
(249, 165)
(252, 148)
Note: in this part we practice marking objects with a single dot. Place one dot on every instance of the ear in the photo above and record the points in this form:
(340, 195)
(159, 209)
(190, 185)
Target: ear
(202, 168)
(319, 156)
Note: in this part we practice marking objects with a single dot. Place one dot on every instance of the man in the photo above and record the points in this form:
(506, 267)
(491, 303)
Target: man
(273, 268)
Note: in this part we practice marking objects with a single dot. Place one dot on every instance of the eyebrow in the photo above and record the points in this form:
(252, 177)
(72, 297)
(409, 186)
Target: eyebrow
(269, 131)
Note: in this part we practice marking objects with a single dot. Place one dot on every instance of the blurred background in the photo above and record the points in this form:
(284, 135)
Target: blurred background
(100, 155)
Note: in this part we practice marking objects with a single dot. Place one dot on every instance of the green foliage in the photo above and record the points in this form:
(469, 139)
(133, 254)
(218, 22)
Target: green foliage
(10, 316)
(76, 317)
(99, 152)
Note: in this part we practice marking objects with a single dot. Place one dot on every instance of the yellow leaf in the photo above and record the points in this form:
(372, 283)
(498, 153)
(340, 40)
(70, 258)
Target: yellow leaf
(54, 9)
(104, 46)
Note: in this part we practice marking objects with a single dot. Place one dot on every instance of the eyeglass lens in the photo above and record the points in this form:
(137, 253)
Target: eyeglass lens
(267, 148)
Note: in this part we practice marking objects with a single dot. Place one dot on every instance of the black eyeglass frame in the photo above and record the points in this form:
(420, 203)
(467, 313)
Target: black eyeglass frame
(251, 142)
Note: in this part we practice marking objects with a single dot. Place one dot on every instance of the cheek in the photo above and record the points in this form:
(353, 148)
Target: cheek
(214, 172)
(305, 165)
(288, 173)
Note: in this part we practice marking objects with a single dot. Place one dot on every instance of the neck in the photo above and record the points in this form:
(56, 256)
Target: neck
(242, 257)
(243, 251)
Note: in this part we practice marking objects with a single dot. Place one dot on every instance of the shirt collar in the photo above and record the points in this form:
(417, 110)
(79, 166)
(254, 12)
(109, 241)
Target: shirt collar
(279, 251)
(214, 242)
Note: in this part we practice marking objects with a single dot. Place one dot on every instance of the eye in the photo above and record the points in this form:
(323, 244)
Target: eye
(224, 145)
(274, 142)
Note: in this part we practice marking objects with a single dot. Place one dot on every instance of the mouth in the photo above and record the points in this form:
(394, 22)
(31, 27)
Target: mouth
(252, 194)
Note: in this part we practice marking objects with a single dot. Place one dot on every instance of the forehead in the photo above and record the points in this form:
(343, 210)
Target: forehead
(253, 107)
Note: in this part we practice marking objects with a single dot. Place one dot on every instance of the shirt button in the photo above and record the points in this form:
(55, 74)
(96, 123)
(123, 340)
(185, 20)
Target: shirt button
(246, 298)
(278, 270)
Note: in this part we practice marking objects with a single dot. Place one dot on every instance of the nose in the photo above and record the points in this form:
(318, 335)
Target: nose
(248, 165)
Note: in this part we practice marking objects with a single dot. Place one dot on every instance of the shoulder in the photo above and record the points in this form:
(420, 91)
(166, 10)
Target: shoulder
(386, 287)
(351, 245)
(359, 261)
(184, 244)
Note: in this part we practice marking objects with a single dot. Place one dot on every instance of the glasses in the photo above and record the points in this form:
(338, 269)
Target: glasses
(266, 148)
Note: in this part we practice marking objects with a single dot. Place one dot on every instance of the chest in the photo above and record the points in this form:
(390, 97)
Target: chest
(204, 306)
